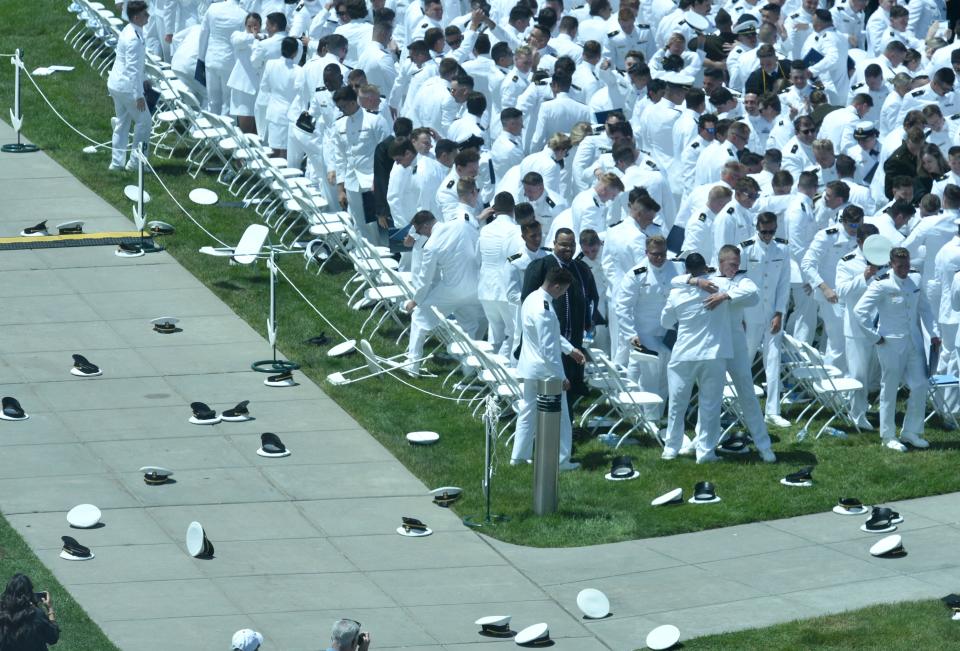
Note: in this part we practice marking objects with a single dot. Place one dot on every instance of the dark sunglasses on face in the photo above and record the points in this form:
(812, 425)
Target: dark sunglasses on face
(768, 232)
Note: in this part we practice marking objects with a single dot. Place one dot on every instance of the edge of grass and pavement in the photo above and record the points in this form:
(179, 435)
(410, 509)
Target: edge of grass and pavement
(593, 511)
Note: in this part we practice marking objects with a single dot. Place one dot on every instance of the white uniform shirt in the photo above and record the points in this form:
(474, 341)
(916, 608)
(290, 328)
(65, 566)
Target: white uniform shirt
(448, 269)
(219, 23)
(768, 266)
(357, 136)
(497, 239)
(850, 287)
(542, 345)
(899, 307)
(126, 75)
(640, 300)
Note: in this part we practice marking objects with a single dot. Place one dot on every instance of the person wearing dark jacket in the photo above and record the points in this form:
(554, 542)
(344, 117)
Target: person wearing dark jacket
(575, 308)
(27, 620)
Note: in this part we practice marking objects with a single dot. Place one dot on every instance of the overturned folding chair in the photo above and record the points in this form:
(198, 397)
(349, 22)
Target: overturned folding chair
(374, 367)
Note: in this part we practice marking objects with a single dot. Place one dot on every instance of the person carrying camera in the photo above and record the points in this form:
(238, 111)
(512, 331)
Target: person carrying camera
(347, 636)
(27, 620)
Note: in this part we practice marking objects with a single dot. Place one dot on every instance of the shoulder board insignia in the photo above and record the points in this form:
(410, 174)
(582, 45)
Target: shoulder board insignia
(451, 184)
(702, 217)
(860, 85)
(955, 116)
(833, 231)
(639, 270)
(917, 93)
(941, 177)
(694, 144)
(803, 207)
(816, 38)
(616, 224)
(579, 256)
(781, 240)
(652, 165)
(795, 149)
(883, 276)
(913, 271)
(340, 118)
(746, 243)
(613, 33)
(515, 256)
(425, 25)
(783, 91)
(848, 257)
(319, 88)
(796, 15)
(546, 306)
(516, 78)
(546, 248)
(550, 202)
(740, 271)
(739, 50)
(730, 210)
(575, 87)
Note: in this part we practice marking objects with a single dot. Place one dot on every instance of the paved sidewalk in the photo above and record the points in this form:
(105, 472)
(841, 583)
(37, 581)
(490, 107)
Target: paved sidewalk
(303, 540)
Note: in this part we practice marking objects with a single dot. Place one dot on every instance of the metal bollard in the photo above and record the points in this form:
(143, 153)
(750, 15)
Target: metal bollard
(546, 458)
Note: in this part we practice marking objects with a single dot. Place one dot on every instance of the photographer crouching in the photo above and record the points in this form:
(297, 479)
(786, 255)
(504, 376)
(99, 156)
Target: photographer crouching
(27, 620)
(347, 636)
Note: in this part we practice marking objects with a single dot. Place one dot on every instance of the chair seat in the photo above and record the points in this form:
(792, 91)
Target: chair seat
(171, 116)
(319, 230)
(643, 398)
(385, 293)
(837, 385)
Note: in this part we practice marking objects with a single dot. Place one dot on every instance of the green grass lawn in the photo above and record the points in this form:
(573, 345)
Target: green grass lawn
(77, 631)
(592, 510)
(907, 626)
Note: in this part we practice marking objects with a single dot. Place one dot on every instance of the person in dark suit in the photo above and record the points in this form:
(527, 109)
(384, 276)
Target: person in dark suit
(382, 164)
(772, 75)
(905, 160)
(575, 308)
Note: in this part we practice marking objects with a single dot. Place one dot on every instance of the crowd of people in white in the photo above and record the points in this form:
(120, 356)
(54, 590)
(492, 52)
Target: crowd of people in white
(637, 144)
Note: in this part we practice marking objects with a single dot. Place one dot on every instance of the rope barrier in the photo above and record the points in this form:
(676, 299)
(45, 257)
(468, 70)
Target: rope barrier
(220, 242)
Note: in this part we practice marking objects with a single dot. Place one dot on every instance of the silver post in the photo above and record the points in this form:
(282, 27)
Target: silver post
(546, 458)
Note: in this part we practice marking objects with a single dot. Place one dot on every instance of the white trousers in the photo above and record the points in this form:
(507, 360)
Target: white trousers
(803, 319)
(125, 107)
(369, 230)
(862, 365)
(759, 338)
(708, 375)
(501, 319)
(949, 363)
(832, 316)
(526, 425)
(651, 376)
(218, 93)
(468, 315)
(739, 368)
(901, 362)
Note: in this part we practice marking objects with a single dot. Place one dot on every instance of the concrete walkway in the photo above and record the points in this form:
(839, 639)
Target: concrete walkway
(304, 540)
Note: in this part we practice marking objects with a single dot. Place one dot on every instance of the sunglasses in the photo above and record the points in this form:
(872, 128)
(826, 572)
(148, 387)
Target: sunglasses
(766, 232)
(807, 132)
(750, 196)
(657, 254)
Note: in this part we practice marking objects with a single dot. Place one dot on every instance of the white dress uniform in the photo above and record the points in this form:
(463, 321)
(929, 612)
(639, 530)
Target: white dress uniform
(712, 159)
(640, 298)
(859, 346)
(819, 265)
(219, 23)
(540, 359)
(699, 357)
(516, 267)
(797, 36)
(125, 85)
(768, 266)
(356, 138)
(446, 279)
(832, 68)
(686, 168)
(624, 245)
(588, 212)
(946, 266)
(801, 229)
(899, 307)
(447, 198)
(797, 157)
(558, 115)
(658, 131)
(925, 241)
(733, 225)
(244, 79)
(280, 83)
(497, 239)
(506, 152)
(698, 235)
(380, 65)
(925, 96)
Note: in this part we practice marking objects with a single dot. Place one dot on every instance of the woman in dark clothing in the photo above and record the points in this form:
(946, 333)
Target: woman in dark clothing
(27, 623)
(933, 167)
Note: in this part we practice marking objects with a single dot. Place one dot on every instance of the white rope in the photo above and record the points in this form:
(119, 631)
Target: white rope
(189, 216)
(344, 337)
(180, 205)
